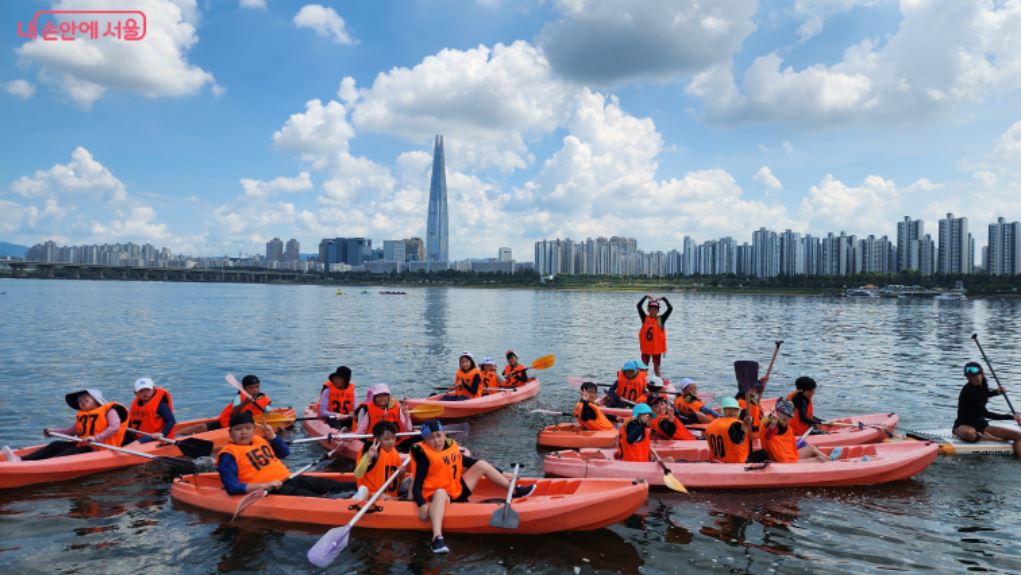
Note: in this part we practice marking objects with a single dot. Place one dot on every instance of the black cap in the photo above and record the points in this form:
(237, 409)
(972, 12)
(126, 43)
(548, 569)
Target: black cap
(241, 418)
(342, 372)
(430, 427)
(249, 380)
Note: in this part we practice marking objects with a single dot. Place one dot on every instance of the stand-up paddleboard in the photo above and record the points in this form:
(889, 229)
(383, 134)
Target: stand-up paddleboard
(949, 444)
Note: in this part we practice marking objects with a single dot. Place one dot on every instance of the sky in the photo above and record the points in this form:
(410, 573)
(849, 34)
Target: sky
(236, 121)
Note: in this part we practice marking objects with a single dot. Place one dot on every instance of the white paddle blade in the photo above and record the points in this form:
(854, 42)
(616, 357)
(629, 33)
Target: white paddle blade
(329, 546)
(248, 501)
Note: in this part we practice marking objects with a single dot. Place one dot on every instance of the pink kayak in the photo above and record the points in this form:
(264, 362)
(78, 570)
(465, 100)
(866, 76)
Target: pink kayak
(856, 465)
(477, 406)
(349, 448)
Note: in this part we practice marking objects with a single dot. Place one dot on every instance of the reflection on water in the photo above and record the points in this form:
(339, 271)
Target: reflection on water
(868, 356)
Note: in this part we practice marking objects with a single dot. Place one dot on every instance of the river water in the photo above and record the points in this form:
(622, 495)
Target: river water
(868, 356)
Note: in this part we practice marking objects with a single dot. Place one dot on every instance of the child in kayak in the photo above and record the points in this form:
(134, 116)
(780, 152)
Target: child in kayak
(337, 398)
(653, 390)
(629, 386)
(690, 408)
(443, 475)
(780, 442)
(249, 463)
(665, 425)
(491, 381)
(240, 404)
(972, 415)
(514, 374)
(728, 436)
(634, 435)
(97, 419)
(152, 411)
(381, 406)
(801, 397)
(379, 460)
(587, 413)
(467, 380)
(652, 335)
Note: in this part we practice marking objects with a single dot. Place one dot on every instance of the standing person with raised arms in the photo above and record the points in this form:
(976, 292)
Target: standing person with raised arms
(652, 335)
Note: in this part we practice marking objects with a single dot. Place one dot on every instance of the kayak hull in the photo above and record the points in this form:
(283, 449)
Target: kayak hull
(556, 505)
(950, 444)
(477, 406)
(886, 463)
(349, 448)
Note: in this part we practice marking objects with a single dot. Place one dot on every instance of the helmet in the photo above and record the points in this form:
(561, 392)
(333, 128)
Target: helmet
(640, 409)
(730, 403)
(785, 407)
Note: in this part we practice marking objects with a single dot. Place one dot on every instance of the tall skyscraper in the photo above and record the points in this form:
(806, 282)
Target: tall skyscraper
(909, 233)
(394, 251)
(293, 251)
(437, 234)
(504, 255)
(955, 246)
(275, 250)
(1004, 253)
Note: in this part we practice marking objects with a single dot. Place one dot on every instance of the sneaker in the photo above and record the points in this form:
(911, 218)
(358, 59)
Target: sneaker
(835, 454)
(524, 490)
(9, 454)
(362, 494)
(439, 546)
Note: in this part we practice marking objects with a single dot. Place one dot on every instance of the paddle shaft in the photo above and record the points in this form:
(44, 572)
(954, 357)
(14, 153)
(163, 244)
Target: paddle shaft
(372, 500)
(974, 336)
(514, 480)
(772, 360)
(111, 447)
(234, 383)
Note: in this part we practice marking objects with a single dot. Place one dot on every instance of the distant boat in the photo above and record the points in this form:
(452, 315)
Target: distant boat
(385, 292)
(340, 292)
(862, 292)
(951, 296)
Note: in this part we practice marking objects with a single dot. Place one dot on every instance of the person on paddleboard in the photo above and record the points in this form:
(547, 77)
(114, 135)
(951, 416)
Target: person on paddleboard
(96, 419)
(337, 398)
(587, 413)
(467, 380)
(444, 475)
(152, 411)
(652, 335)
(514, 374)
(690, 408)
(972, 423)
(779, 440)
(250, 461)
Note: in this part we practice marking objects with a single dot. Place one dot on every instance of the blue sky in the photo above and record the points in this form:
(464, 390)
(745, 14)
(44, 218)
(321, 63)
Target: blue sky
(235, 121)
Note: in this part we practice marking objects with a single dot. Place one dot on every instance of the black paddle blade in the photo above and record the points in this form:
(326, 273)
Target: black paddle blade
(179, 466)
(747, 373)
(194, 447)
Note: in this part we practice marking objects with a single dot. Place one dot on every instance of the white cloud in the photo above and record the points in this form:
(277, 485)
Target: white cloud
(20, 88)
(485, 101)
(254, 4)
(135, 225)
(83, 176)
(943, 55)
(1009, 146)
(834, 205)
(814, 13)
(765, 177)
(610, 41)
(319, 135)
(301, 183)
(347, 91)
(325, 21)
(155, 67)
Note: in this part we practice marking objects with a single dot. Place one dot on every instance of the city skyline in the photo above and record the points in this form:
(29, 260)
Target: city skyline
(700, 119)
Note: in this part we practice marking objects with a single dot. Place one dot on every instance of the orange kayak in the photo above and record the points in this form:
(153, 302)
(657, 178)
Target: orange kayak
(556, 505)
(856, 465)
(479, 405)
(852, 430)
(21, 473)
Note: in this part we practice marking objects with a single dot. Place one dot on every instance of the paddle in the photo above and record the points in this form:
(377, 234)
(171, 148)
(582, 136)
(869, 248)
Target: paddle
(551, 412)
(179, 465)
(324, 417)
(772, 360)
(335, 540)
(261, 493)
(747, 374)
(974, 336)
(505, 517)
(279, 419)
(190, 446)
(463, 428)
(544, 362)
(669, 479)
(236, 385)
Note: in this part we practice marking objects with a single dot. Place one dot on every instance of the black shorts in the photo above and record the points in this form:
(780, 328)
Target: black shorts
(466, 492)
(979, 426)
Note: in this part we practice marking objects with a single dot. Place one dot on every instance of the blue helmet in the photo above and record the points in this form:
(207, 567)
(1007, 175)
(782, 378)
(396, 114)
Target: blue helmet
(640, 409)
(630, 365)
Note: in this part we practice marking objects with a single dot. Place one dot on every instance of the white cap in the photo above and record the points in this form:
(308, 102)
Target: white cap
(467, 354)
(144, 383)
(686, 382)
(654, 381)
(380, 389)
(487, 361)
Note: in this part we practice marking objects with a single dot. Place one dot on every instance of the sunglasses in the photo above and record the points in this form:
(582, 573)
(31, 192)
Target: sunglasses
(972, 370)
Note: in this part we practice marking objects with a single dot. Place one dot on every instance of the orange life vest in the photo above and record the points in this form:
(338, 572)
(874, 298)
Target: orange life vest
(755, 411)
(652, 336)
(224, 418)
(489, 381)
(798, 426)
(256, 462)
(464, 378)
(341, 401)
(688, 404)
(444, 471)
(720, 446)
(387, 463)
(391, 413)
(781, 446)
(93, 422)
(633, 451)
(631, 389)
(144, 417)
(680, 432)
(514, 376)
(600, 423)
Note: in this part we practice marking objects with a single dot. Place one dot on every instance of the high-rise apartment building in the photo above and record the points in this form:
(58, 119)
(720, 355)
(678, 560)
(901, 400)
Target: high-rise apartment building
(1003, 256)
(274, 250)
(956, 247)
